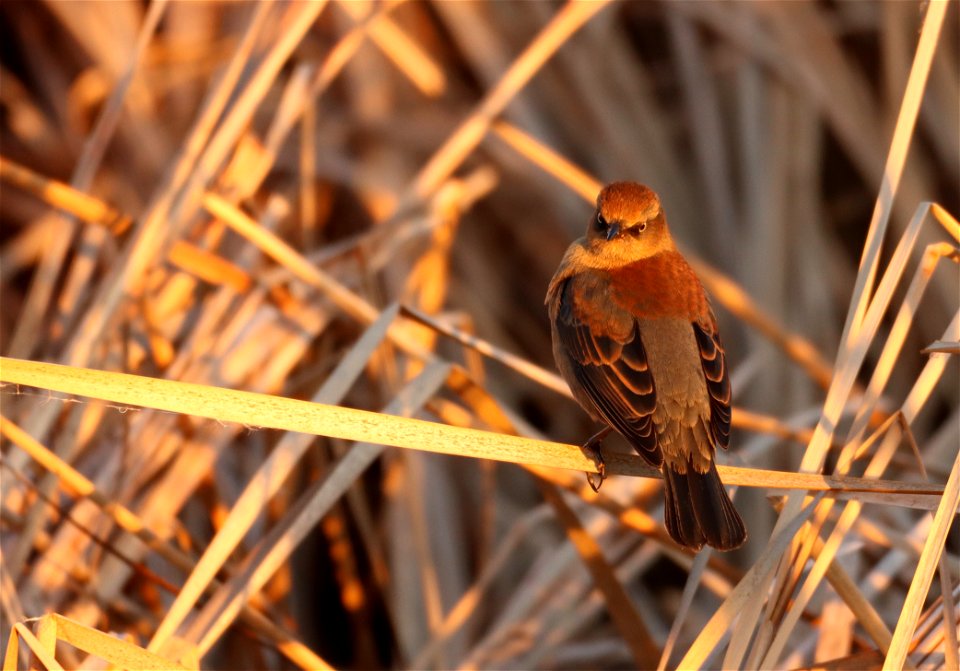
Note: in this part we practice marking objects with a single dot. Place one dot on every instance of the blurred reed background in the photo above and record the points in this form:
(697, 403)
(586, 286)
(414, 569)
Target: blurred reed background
(232, 193)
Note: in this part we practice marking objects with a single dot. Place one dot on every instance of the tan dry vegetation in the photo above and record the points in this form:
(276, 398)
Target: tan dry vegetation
(229, 228)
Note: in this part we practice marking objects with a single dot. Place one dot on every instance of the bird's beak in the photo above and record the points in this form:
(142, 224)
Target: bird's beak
(613, 231)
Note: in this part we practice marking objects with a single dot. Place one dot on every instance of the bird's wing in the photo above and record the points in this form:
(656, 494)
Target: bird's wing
(713, 360)
(614, 374)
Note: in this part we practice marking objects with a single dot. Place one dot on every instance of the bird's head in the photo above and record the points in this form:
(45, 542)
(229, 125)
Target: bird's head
(628, 224)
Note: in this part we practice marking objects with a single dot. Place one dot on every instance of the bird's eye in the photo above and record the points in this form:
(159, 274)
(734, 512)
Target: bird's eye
(601, 223)
(638, 228)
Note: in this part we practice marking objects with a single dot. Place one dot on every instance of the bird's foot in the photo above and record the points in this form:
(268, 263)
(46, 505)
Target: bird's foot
(592, 449)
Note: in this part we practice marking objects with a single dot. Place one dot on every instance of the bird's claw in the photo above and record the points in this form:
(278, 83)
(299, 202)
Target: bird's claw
(601, 473)
(592, 449)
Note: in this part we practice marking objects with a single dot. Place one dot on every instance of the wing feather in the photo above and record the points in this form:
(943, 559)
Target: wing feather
(714, 363)
(614, 375)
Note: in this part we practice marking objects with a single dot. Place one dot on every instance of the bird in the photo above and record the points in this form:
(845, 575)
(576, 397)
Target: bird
(635, 338)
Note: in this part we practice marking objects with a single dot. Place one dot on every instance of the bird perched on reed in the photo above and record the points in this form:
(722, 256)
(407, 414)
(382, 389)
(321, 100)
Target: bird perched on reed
(635, 338)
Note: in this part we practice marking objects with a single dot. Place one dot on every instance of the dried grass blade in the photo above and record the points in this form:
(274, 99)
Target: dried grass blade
(83, 267)
(36, 647)
(130, 522)
(271, 245)
(814, 482)
(866, 616)
(856, 333)
(62, 196)
(429, 609)
(552, 162)
(949, 223)
(929, 635)
(902, 500)
(930, 375)
(208, 266)
(265, 482)
(686, 599)
(41, 289)
(264, 410)
(300, 97)
(942, 347)
(99, 139)
(126, 272)
(37, 515)
(849, 360)
(12, 608)
(124, 517)
(273, 550)
(533, 372)
(625, 617)
(241, 111)
(893, 170)
(756, 422)
(415, 63)
(897, 336)
(11, 657)
(468, 135)
(827, 554)
(719, 625)
(470, 602)
(113, 650)
(929, 559)
(952, 646)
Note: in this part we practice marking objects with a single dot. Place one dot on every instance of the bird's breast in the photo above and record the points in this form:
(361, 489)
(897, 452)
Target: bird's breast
(663, 285)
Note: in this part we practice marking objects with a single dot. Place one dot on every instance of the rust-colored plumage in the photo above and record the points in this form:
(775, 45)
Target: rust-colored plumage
(635, 338)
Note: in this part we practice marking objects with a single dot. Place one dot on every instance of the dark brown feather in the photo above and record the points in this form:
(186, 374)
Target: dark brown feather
(713, 361)
(697, 510)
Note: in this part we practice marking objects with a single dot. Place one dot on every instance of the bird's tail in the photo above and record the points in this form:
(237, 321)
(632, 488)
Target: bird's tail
(698, 511)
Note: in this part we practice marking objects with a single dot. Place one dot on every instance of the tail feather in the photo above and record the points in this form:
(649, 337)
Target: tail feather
(698, 511)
